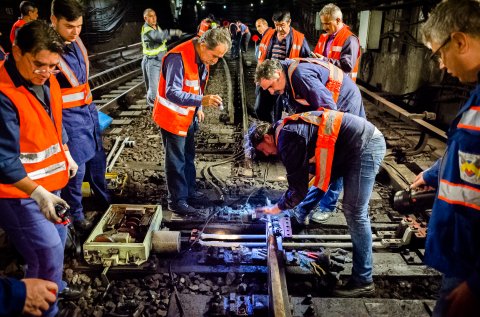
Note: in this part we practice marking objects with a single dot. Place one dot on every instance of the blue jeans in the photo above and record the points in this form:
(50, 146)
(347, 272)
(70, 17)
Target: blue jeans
(39, 241)
(92, 171)
(179, 164)
(328, 200)
(448, 285)
(151, 68)
(358, 179)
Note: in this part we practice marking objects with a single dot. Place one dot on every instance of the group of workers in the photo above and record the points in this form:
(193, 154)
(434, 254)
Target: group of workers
(326, 146)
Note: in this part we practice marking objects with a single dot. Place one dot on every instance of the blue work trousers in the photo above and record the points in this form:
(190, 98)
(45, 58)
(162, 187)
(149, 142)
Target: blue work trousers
(358, 179)
(92, 171)
(328, 201)
(40, 242)
(179, 164)
(448, 285)
(151, 68)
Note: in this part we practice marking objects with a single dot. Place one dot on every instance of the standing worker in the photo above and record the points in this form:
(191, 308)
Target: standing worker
(178, 105)
(28, 12)
(334, 144)
(207, 24)
(279, 43)
(80, 116)
(245, 35)
(262, 26)
(34, 159)
(339, 45)
(154, 44)
(452, 32)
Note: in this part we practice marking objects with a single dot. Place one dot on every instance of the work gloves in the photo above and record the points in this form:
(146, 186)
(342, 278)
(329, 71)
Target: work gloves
(72, 166)
(176, 32)
(47, 201)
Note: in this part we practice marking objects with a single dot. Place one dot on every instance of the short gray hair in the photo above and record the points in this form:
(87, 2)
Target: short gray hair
(267, 69)
(332, 10)
(451, 16)
(147, 11)
(214, 37)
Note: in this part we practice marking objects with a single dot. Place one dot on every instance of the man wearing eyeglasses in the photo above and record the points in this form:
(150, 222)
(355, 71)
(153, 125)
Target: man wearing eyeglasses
(34, 159)
(338, 45)
(452, 32)
(80, 115)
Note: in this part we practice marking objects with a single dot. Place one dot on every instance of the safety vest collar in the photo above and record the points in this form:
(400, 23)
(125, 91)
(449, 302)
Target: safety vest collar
(146, 49)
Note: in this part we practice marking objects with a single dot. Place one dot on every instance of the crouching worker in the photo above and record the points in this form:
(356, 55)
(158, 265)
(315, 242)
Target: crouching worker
(333, 144)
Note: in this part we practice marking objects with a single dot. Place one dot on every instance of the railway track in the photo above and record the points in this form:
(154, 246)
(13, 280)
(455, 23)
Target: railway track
(208, 270)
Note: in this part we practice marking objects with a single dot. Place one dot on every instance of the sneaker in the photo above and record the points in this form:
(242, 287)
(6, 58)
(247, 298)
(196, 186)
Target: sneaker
(303, 220)
(182, 208)
(355, 289)
(321, 216)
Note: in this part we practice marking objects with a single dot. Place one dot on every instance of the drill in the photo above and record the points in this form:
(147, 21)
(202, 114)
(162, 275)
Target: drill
(61, 212)
(409, 201)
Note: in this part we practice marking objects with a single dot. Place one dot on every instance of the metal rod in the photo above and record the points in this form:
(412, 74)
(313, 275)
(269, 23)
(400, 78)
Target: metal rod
(223, 244)
(112, 163)
(328, 236)
(277, 288)
(298, 245)
(232, 236)
(114, 147)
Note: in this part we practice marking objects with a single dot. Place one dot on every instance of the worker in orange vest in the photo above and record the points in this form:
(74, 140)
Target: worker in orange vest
(178, 109)
(279, 43)
(339, 45)
(28, 12)
(321, 146)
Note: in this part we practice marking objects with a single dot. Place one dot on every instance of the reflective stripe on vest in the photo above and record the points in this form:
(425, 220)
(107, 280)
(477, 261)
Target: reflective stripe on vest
(297, 43)
(328, 128)
(470, 119)
(334, 83)
(29, 158)
(168, 115)
(336, 48)
(459, 194)
(47, 171)
(79, 94)
(151, 51)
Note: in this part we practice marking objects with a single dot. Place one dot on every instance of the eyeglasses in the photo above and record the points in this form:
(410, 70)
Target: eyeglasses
(436, 55)
(39, 71)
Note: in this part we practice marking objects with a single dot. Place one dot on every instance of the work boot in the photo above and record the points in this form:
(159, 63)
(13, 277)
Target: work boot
(183, 208)
(83, 225)
(355, 289)
(197, 198)
(303, 220)
(70, 293)
(321, 216)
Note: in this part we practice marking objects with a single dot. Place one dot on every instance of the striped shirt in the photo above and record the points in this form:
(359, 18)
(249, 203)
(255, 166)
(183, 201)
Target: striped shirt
(279, 49)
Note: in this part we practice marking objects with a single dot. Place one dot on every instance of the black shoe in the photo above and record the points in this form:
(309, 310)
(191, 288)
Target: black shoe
(355, 289)
(182, 208)
(70, 293)
(83, 225)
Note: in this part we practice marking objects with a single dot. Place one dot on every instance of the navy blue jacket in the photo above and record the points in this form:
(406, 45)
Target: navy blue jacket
(12, 296)
(304, 51)
(309, 80)
(296, 145)
(453, 240)
(81, 123)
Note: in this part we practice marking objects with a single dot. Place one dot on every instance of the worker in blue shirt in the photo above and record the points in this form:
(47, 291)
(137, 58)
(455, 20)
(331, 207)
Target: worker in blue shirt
(154, 47)
(329, 144)
(30, 296)
(307, 85)
(80, 116)
(452, 32)
(245, 35)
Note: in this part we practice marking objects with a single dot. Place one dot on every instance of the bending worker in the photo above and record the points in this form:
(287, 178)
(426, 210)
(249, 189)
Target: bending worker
(452, 32)
(80, 115)
(34, 159)
(339, 45)
(332, 144)
(154, 45)
(178, 105)
(309, 84)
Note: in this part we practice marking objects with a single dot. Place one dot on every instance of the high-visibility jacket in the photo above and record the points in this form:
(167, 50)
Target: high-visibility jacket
(147, 49)
(79, 94)
(297, 43)
(334, 83)
(18, 24)
(168, 115)
(336, 47)
(41, 150)
(206, 25)
(328, 128)
(453, 239)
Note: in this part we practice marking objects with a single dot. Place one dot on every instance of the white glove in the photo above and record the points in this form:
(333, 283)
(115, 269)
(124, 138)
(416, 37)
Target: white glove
(176, 32)
(47, 201)
(72, 165)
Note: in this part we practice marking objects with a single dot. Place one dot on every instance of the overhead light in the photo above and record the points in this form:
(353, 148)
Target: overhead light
(203, 7)
(261, 1)
(224, 6)
(251, 4)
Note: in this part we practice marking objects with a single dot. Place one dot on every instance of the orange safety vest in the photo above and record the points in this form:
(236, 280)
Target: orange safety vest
(18, 24)
(79, 94)
(328, 128)
(168, 115)
(41, 150)
(204, 27)
(267, 38)
(336, 47)
(334, 83)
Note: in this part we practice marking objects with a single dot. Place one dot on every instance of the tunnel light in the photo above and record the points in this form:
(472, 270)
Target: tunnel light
(224, 6)
(251, 4)
(203, 7)
(261, 1)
